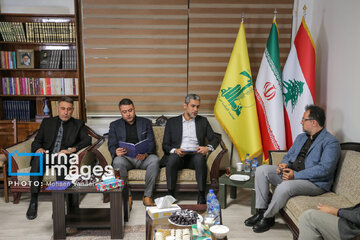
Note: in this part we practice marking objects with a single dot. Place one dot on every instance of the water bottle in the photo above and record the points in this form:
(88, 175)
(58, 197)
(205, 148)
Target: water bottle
(216, 209)
(247, 163)
(208, 200)
(254, 165)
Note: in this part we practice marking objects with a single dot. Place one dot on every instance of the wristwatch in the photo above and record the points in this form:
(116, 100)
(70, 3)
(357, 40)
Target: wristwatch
(70, 149)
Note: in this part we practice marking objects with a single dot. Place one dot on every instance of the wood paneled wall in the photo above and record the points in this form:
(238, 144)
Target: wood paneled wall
(157, 51)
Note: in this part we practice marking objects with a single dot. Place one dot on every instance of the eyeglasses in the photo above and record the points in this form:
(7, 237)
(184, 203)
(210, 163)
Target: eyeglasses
(306, 119)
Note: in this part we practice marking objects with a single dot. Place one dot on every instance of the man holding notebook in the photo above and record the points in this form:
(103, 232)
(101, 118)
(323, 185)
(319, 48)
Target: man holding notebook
(133, 129)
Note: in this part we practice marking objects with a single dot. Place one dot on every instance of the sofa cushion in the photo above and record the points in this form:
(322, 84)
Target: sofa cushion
(185, 175)
(348, 177)
(2, 159)
(159, 135)
(295, 206)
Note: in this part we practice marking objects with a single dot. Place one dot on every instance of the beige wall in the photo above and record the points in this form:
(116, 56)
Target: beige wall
(334, 27)
(37, 6)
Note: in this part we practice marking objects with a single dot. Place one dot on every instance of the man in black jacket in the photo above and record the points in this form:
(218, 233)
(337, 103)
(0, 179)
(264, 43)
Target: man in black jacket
(56, 135)
(330, 223)
(185, 147)
(133, 129)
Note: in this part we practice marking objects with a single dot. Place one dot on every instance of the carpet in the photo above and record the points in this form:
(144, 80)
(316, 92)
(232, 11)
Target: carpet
(136, 232)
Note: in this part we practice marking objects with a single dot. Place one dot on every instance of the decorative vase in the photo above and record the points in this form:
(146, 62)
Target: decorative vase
(46, 109)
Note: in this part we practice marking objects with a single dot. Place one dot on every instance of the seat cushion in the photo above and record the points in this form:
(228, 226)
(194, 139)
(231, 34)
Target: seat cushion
(24, 180)
(297, 205)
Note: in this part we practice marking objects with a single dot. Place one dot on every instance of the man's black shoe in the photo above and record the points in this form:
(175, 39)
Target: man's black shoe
(32, 211)
(251, 221)
(264, 225)
(201, 198)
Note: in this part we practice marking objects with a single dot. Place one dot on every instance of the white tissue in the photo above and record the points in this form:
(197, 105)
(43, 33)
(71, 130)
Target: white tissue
(165, 202)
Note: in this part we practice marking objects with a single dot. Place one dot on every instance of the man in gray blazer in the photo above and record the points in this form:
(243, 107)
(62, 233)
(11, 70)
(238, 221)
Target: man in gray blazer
(330, 223)
(133, 129)
(185, 147)
(307, 169)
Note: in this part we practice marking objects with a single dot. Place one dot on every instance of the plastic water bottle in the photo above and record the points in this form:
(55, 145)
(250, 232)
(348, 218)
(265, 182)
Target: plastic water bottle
(216, 209)
(209, 199)
(254, 165)
(247, 163)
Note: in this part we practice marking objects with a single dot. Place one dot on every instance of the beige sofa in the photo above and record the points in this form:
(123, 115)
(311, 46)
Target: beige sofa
(186, 178)
(345, 191)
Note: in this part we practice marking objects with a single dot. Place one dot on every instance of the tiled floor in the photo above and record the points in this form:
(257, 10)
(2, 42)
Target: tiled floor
(14, 225)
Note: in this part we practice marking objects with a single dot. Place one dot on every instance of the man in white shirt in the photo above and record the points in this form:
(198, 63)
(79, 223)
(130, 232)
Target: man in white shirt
(184, 145)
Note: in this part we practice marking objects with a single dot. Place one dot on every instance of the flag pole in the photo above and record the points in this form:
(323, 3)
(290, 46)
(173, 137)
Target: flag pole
(275, 12)
(304, 10)
(231, 153)
(242, 17)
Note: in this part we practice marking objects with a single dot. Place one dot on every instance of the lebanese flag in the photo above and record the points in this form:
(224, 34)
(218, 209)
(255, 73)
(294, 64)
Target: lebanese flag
(298, 81)
(269, 98)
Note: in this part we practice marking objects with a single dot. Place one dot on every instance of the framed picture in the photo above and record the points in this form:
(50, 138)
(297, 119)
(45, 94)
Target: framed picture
(25, 58)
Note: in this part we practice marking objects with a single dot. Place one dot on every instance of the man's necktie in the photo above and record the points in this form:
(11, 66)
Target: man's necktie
(59, 136)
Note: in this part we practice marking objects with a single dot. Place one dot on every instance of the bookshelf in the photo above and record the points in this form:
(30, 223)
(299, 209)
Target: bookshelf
(59, 73)
(60, 33)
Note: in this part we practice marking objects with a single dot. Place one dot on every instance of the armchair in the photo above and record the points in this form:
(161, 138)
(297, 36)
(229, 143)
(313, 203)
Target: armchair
(19, 184)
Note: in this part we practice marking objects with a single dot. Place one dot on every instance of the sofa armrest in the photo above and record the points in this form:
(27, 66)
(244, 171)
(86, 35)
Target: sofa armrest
(21, 147)
(86, 156)
(102, 153)
(276, 156)
(214, 159)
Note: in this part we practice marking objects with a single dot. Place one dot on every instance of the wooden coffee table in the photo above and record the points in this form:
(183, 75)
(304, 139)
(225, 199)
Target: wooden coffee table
(90, 217)
(163, 223)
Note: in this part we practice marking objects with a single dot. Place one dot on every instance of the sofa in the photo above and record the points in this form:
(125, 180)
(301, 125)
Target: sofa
(21, 164)
(345, 191)
(186, 177)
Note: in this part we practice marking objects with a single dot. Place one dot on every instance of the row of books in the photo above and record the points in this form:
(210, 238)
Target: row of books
(23, 110)
(52, 58)
(38, 32)
(8, 59)
(39, 86)
(12, 31)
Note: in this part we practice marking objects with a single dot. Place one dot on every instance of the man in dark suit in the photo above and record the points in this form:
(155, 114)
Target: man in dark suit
(57, 135)
(133, 129)
(185, 147)
(330, 223)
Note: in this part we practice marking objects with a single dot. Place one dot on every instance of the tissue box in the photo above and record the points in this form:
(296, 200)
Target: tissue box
(109, 184)
(155, 212)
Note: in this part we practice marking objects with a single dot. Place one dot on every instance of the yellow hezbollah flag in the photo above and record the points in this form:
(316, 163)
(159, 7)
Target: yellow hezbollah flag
(235, 106)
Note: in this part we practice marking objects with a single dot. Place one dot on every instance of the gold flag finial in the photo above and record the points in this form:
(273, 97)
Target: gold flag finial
(304, 8)
(275, 12)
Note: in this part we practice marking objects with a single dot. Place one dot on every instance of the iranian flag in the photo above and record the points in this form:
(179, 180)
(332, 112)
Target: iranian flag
(269, 97)
(298, 81)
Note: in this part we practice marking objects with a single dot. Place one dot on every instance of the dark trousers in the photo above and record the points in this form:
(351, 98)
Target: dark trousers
(36, 181)
(192, 161)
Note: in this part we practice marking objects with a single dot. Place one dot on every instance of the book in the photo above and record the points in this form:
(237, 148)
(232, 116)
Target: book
(45, 56)
(135, 149)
